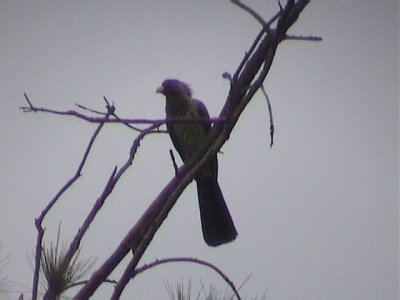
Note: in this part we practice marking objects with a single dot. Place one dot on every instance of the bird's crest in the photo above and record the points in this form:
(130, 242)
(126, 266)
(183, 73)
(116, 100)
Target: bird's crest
(186, 88)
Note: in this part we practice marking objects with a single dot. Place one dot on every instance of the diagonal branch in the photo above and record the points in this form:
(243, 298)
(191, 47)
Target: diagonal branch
(112, 181)
(74, 246)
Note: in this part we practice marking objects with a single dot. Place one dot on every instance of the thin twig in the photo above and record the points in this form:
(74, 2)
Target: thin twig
(85, 281)
(171, 154)
(110, 185)
(256, 41)
(245, 281)
(156, 122)
(246, 57)
(253, 13)
(74, 246)
(107, 102)
(65, 187)
(188, 260)
(119, 119)
(90, 109)
(303, 38)
(271, 120)
(31, 107)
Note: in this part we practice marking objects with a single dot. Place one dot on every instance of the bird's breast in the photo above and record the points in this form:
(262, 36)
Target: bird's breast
(186, 136)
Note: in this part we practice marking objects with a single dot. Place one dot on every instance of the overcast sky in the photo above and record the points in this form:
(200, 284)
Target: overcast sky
(317, 214)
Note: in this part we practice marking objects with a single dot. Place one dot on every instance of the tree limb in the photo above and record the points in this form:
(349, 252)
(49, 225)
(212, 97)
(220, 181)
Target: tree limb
(70, 182)
(157, 262)
(271, 119)
(115, 119)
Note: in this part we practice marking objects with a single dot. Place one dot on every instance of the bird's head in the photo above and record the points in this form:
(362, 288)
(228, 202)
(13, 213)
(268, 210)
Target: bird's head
(174, 87)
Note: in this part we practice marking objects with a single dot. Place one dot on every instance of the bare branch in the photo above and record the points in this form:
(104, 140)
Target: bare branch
(116, 119)
(303, 38)
(31, 107)
(171, 153)
(39, 220)
(255, 43)
(253, 13)
(246, 57)
(85, 281)
(187, 260)
(271, 120)
(227, 76)
(280, 5)
(112, 181)
(90, 110)
(142, 233)
(74, 246)
(289, 16)
(107, 103)
(244, 281)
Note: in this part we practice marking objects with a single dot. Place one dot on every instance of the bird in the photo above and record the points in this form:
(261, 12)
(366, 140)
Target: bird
(216, 221)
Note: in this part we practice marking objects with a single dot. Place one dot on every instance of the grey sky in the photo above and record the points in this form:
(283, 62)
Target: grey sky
(317, 214)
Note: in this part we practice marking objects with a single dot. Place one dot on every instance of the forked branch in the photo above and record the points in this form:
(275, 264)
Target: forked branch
(64, 188)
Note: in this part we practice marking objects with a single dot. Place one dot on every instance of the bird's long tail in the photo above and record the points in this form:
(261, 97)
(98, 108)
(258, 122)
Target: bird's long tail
(216, 221)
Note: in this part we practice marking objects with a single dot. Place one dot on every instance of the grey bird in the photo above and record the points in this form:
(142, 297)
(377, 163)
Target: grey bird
(187, 137)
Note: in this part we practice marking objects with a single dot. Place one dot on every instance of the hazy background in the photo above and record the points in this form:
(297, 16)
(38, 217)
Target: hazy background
(317, 214)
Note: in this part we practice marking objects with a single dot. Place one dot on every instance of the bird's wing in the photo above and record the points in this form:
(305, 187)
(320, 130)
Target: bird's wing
(176, 141)
(187, 137)
(202, 112)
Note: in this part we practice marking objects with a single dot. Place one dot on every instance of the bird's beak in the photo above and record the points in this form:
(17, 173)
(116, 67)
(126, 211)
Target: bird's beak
(160, 89)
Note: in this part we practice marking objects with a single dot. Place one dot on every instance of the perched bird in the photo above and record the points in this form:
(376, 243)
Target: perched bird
(187, 137)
